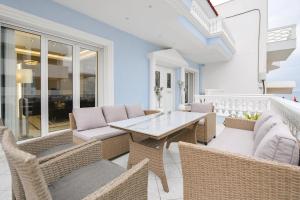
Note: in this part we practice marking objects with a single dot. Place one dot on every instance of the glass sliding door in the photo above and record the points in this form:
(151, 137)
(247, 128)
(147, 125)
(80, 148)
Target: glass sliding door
(60, 84)
(21, 82)
(88, 77)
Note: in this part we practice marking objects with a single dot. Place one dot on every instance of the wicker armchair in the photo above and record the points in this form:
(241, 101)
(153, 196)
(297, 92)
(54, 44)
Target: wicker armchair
(45, 149)
(210, 174)
(53, 179)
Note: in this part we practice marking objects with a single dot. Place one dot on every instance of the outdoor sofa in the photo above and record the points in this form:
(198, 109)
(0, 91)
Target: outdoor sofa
(248, 160)
(92, 123)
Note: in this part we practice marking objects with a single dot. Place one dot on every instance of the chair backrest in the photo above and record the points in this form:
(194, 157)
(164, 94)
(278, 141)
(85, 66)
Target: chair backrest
(27, 169)
(202, 107)
(17, 187)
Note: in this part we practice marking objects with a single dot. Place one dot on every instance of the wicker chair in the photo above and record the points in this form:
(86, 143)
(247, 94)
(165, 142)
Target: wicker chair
(45, 149)
(68, 176)
(211, 174)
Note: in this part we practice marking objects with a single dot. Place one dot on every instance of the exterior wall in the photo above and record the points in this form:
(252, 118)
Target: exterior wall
(131, 65)
(240, 75)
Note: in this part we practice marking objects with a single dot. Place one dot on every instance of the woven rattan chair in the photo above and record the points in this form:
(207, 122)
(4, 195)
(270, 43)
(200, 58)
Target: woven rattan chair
(45, 149)
(77, 174)
(211, 174)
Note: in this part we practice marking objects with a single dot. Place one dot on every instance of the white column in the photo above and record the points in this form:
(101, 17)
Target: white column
(182, 78)
(152, 68)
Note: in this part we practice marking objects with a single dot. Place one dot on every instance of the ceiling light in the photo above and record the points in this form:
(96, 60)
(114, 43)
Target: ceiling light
(31, 62)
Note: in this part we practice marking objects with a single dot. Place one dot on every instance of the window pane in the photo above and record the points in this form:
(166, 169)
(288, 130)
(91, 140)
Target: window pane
(21, 83)
(88, 81)
(60, 84)
(168, 80)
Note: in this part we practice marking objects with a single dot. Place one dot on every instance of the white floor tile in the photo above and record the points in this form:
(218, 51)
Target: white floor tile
(153, 192)
(175, 189)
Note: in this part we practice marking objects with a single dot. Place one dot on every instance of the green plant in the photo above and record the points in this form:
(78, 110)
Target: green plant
(254, 116)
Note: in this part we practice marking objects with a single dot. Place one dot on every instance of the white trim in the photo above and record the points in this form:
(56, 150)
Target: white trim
(44, 86)
(29, 21)
(76, 76)
(196, 79)
(168, 58)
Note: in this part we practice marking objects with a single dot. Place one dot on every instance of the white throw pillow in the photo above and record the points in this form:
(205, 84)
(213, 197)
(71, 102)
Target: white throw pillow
(279, 145)
(264, 117)
(134, 111)
(89, 118)
(114, 113)
(264, 129)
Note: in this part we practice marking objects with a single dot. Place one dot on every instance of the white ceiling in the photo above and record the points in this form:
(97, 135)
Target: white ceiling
(152, 20)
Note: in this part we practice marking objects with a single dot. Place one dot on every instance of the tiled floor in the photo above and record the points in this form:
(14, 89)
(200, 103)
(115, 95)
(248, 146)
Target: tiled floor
(155, 190)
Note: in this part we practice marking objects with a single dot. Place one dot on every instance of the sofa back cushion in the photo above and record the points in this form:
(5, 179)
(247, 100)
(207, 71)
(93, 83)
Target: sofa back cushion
(264, 117)
(114, 113)
(89, 118)
(279, 145)
(264, 129)
(134, 111)
(202, 107)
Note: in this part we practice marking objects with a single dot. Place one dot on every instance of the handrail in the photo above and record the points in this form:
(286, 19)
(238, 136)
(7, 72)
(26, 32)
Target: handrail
(214, 25)
(239, 104)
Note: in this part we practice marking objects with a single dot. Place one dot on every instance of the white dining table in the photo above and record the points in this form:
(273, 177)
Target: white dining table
(158, 129)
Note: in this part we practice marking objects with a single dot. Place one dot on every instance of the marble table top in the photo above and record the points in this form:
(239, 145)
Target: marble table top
(159, 125)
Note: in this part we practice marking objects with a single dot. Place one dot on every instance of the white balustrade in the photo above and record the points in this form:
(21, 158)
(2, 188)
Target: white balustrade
(213, 25)
(238, 105)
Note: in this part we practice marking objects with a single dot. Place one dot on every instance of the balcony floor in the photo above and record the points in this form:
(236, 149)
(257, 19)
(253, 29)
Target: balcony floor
(155, 190)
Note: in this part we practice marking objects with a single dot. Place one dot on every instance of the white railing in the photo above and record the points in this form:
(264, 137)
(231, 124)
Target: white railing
(238, 105)
(200, 15)
(282, 33)
(214, 25)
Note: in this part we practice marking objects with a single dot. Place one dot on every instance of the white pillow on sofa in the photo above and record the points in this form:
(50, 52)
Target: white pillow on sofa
(279, 145)
(89, 118)
(264, 129)
(264, 117)
(114, 113)
(134, 111)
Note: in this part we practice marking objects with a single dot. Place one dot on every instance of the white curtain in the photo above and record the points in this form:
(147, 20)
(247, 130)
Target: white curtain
(10, 87)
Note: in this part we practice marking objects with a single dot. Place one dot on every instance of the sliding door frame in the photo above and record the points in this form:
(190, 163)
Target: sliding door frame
(48, 30)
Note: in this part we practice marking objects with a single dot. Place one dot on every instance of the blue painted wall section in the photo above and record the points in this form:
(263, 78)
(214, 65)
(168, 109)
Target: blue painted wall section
(131, 65)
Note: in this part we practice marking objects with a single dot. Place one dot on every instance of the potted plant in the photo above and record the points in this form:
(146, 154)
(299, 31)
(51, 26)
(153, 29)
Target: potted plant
(158, 94)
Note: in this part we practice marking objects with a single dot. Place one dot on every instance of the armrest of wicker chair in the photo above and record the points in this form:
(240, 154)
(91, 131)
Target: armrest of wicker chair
(40, 144)
(213, 174)
(132, 184)
(149, 112)
(238, 123)
(65, 163)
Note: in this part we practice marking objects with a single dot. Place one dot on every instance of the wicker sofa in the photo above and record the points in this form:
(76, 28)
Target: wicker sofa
(114, 142)
(233, 166)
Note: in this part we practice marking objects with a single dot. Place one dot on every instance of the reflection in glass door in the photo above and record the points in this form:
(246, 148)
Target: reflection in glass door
(88, 77)
(60, 84)
(21, 82)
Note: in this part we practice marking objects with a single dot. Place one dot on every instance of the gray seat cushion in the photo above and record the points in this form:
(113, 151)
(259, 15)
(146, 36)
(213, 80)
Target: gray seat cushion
(98, 133)
(114, 113)
(134, 111)
(55, 149)
(89, 118)
(234, 141)
(84, 181)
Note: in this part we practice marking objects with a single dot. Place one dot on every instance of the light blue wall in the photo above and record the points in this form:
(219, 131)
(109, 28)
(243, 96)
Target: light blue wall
(130, 53)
